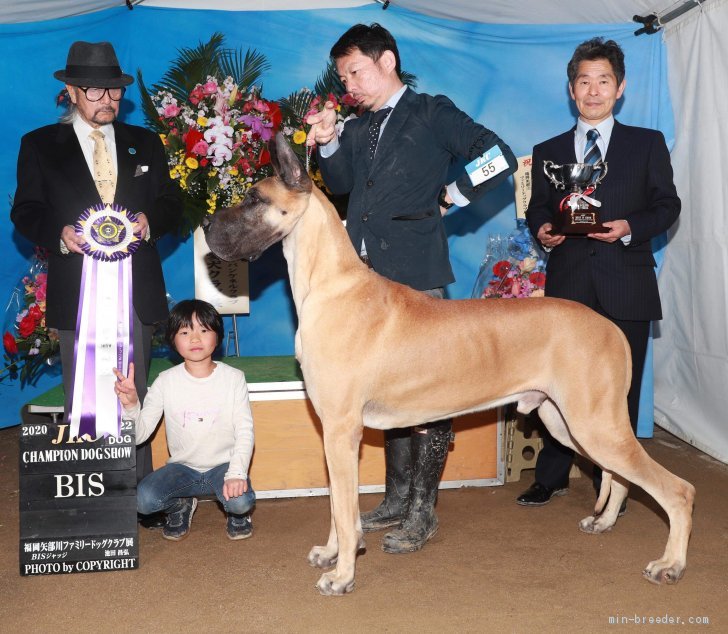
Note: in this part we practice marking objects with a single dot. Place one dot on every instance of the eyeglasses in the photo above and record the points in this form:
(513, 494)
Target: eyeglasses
(97, 94)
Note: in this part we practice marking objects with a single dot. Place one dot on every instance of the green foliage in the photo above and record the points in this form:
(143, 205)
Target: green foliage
(194, 65)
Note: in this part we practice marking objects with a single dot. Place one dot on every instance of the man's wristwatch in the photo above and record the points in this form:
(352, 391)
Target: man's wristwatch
(441, 199)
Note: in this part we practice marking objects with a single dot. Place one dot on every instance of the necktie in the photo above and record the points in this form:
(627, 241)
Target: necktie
(375, 124)
(592, 153)
(103, 168)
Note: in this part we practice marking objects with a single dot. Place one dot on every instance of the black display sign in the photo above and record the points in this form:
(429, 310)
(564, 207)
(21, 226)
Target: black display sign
(77, 501)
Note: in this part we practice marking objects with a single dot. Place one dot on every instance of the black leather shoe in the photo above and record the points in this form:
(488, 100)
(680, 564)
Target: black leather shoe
(538, 495)
(155, 521)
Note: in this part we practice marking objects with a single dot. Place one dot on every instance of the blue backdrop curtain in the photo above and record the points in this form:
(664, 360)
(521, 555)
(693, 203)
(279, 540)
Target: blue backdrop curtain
(511, 78)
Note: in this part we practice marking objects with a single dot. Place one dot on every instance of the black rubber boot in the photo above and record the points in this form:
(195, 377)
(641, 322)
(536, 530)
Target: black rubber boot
(429, 453)
(398, 462)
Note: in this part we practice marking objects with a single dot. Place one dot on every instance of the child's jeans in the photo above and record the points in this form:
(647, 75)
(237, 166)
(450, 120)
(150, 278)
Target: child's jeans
(161, 489)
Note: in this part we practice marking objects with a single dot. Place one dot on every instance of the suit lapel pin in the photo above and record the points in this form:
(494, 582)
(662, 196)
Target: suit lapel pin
(132, 151)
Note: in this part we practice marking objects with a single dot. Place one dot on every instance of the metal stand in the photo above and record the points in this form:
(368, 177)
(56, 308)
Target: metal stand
(235, 335)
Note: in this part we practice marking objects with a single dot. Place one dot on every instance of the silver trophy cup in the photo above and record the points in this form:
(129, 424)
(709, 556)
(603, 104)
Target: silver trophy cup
(578, 213)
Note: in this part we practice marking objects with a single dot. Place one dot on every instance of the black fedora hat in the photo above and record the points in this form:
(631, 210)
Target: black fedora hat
(94, 65)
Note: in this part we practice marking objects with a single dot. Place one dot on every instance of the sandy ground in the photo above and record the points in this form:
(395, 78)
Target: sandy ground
(492, 567)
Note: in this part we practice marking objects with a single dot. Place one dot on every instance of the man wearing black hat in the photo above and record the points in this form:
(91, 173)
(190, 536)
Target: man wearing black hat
(59, 178)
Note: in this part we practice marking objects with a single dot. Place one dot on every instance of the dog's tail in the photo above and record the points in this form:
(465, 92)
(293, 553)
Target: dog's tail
(603, 492)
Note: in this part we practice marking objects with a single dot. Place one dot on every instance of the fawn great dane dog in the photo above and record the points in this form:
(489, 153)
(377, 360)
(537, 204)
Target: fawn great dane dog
(358, 330)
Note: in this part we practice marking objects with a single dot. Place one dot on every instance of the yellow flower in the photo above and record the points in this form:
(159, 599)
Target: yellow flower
(191, 162)
(164, 138)
(202, 122)
(233, 171)
(212, 203)
(233, 96)
(299, 136)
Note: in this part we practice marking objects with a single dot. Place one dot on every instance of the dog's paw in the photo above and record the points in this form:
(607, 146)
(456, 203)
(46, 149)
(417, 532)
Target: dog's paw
(330, 586)
(660, 571)
(595, 525)
(321, 557)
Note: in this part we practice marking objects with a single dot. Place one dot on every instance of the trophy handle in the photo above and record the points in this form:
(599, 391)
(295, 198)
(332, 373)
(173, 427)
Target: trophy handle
(602, 167)
(549, 165)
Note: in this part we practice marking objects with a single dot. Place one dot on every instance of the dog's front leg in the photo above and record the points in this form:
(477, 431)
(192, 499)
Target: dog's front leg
(341, 445)
(326, 556)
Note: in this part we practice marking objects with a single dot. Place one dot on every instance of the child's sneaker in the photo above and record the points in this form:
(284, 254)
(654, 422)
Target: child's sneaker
(180, 519)
(239, 526)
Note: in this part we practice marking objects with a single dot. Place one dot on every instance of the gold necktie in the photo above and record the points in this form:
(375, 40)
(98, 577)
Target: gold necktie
(103, 168)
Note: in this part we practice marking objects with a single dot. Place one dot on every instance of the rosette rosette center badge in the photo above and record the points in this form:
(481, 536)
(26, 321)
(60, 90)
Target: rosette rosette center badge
(109, 232)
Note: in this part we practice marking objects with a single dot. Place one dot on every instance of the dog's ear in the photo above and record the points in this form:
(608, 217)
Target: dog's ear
(287, 166)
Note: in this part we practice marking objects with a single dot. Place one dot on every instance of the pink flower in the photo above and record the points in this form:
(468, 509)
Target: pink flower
(171, 110)
(196, 96)
(209, 88)
(200, 148)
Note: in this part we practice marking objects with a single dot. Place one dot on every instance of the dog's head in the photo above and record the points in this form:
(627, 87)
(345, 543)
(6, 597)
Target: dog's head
(268, 213)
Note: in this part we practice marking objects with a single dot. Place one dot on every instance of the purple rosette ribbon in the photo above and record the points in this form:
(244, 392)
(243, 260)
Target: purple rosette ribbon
(104, 324)
(108, 231)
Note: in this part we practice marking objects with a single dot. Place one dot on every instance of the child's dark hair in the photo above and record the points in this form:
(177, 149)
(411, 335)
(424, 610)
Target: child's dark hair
(181, 317)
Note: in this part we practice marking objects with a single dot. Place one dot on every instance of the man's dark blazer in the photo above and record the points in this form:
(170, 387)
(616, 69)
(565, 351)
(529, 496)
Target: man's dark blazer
(638, 188)
(55, 185)
(393, 199)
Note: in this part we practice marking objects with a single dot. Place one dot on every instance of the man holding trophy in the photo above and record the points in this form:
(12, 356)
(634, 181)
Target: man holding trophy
(601, 192)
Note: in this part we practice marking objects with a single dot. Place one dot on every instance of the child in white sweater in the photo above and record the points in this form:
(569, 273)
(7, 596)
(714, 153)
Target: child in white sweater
(208, 422)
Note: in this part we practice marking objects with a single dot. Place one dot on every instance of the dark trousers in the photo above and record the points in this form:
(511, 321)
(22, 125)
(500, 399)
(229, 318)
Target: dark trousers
(142, 359)
(554, 460)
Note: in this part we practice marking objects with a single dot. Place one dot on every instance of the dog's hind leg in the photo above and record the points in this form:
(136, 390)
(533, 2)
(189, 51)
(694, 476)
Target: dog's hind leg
(675, 496)
(341, 445)
(628, 461)
(603, 518)
(553, 420)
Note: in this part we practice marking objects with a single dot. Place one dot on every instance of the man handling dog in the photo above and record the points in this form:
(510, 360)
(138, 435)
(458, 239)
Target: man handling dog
(393, 162)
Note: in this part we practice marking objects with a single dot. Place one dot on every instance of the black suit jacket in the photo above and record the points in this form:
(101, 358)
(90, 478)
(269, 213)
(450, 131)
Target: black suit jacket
(55, 186)
(638, 188)
(393, 204)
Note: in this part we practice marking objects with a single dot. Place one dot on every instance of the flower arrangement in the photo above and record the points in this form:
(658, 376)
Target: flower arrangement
(214, 124)
(295, 111)
(297, 107)
(515, 279)
(512, 267)
(28, 344)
